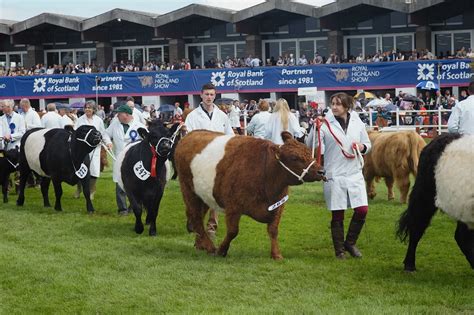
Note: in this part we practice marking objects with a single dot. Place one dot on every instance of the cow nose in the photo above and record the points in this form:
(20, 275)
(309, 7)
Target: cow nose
(322, 172)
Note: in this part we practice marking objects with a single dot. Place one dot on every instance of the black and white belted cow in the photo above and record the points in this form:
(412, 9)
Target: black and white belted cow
(142, 173)
(8, 165)
(57, 155)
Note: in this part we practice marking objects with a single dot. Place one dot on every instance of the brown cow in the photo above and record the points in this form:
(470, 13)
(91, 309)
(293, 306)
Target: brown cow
(239, 175)
(393, 156)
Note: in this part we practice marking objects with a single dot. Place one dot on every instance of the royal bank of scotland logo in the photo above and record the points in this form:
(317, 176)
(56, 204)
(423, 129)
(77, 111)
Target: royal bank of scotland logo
(218, 78)
(425, 71)
(39, 85)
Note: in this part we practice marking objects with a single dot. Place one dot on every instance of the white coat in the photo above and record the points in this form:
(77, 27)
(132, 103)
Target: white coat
(51, 120)
(345, 187)
(234, 117)
(65, 121)
(32, 119)
(121, 139)
(95, 154)
(19, 129)
(462, 117)
(219, 122)
(138, 116)
(258, 124)
(274, 128)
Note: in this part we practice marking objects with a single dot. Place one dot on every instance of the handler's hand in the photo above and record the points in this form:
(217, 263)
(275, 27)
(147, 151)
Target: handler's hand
(109, 146)
(360, 146)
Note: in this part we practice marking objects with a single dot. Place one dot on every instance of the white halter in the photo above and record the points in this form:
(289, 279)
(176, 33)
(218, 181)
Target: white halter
(300, 177)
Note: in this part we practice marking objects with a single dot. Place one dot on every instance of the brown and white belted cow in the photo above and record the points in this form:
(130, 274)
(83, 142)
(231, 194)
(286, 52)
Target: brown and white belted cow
(239, 175)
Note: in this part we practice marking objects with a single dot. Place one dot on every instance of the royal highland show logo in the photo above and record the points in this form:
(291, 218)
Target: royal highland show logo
(39, 85)
(425, 71)
(218, 78)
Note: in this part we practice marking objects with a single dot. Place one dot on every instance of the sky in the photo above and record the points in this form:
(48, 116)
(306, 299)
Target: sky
(20, 10)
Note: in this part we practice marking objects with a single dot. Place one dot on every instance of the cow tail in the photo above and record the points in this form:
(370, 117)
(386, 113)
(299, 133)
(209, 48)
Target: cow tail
(421, 204)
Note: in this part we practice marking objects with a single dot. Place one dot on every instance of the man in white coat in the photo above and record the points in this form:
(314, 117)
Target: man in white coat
(31, 117)
(65, 119)
(344, 139)
(137, 115)
(13, 125)
(122, 131)
(208, 116)
(51, 119)
(258, 124)
(91, 119)
(462, 117)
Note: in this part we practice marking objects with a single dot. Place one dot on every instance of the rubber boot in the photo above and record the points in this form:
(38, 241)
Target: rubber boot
(337, 233)
(92, 185)
(352, 235)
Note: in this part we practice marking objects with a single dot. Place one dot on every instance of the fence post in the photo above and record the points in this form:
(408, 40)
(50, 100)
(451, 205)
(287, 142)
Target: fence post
(398, 119)
(439, 120)
(245, 122)
(370, 118)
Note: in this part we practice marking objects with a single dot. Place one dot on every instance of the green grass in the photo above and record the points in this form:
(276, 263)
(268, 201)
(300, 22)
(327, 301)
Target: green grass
(70, 262)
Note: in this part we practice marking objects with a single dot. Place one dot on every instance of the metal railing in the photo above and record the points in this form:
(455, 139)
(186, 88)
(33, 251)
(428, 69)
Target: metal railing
(401, 114)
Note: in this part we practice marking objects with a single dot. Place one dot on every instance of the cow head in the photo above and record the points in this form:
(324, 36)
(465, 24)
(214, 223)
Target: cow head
(296, 158)
(89, 135)
(13, 157)
(159, 136)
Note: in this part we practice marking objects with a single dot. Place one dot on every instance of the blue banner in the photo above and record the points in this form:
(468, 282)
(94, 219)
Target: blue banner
(384, 75)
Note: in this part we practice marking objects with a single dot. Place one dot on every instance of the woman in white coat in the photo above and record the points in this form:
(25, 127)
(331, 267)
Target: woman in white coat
(89, 118)
(282, 120)
(343, 140)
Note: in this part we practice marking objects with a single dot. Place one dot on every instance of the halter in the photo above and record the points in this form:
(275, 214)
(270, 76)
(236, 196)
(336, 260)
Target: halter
(12, 164)
(171, 140)
(85, 139)
(300, 177)
(357, 154)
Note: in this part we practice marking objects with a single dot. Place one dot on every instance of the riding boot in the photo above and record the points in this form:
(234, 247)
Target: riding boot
(77, 193)
(92, 185)
(352, 235)
(337, 233)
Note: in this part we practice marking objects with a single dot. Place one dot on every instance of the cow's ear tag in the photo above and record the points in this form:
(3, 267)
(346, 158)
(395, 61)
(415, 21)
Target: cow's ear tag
(82, 171)
(140, 171)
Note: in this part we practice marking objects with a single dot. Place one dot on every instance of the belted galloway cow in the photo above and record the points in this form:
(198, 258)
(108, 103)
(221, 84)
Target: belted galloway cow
(239, 175)
(57, 155)
(142, 173)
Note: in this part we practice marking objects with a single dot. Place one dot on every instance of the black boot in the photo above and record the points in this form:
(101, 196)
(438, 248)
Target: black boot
(352, 235)
(337, 233)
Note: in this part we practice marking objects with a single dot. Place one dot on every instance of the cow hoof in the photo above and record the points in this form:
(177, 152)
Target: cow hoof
(391, 198)
(152, 233)
(90, 212)
(58, 209)
(47, 205)
(139, 229)
(19, 203)
(222, 253)
(5, 200)
(277, 257)
(410, 269)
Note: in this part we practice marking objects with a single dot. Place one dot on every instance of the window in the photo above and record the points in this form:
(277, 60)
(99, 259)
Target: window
(269, 27)
(322, 47)
(365, 25)
(240, 50)
(312, 24)
(195, 55)
(155, 54)
(272, 49)
(388, 43)
(370, 46)
(121, 55)
(52, 58)
(137, 54)
(15, 59)
(282, 29)
(307, 49)
(227, 51)
(288, 48)
(404, 42)
(210, 53)
(398, 19)
(461, 40)
(82, 56)
(455, 20)
(3, 60)
(231, 30)
(68, 57)
(354, 47)
(93, 56)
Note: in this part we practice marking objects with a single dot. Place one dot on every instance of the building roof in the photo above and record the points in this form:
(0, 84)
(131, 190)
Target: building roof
(270, 5)
(65, 21)
(138, 17)
(193, 10)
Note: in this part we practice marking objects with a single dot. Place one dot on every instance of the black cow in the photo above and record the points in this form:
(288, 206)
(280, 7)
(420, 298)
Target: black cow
(58, 155)
(142, 171)
(8, 165)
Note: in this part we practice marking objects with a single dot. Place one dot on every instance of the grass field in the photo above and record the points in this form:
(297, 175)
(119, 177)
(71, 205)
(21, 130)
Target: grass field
(71, 262)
